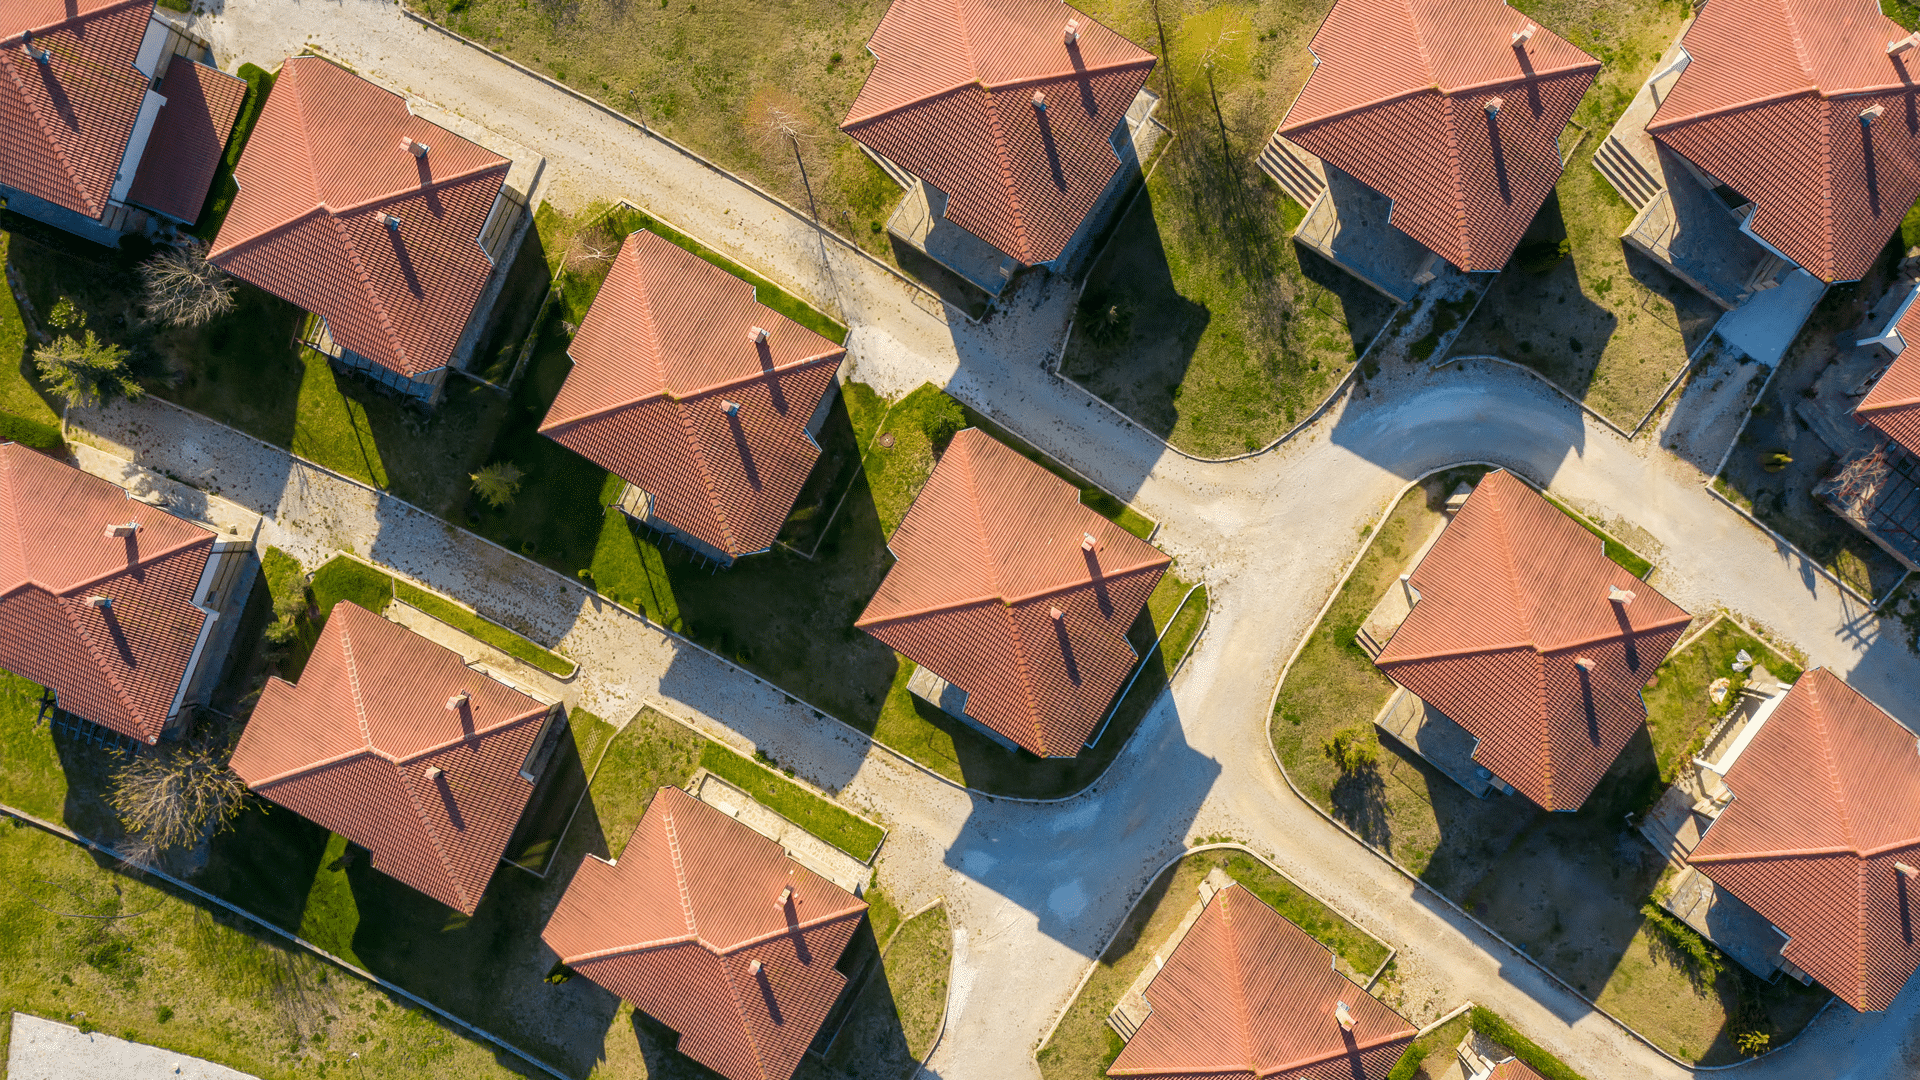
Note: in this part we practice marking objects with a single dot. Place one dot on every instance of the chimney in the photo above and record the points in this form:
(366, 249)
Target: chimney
(1040, 100)
(1521, 37)
(1057, 614)
(1620, 596)
(1583, 663)
(417, 149)
(786, 894)
(1906, 871)
(434, 773)
(753, 967)
(1073, 31)
(1871, 113)
(731, 408)
(457, 701)
(1087, 541)
(757, 335)
(1344, 1015)
(390, 221)
(1896, 49)
(121, 532)
(42, 55)
(101, 602)
(1493, 106)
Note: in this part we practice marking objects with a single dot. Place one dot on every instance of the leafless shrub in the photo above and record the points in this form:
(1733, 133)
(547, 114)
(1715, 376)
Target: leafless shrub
(175, 796)
(183, 288)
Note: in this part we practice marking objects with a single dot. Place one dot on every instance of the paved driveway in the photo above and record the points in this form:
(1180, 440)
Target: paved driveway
(1035, 890)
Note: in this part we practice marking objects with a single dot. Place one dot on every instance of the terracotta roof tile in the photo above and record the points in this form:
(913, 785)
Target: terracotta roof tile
(1514, 1069)
(120, 666)
(322, 172)
(1247, 993)
(1771, 104)
(1826, 802)
(189, 138)
(990, 549)
(64, 125)
(1511, 597)
(951, 100)
(356, 744)
(1893, 404)
(689, 926)
(662, 352)
(1399, 97)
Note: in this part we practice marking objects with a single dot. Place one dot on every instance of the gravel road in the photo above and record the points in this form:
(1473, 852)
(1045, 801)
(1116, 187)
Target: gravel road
(49, 1050)
(1034, 891)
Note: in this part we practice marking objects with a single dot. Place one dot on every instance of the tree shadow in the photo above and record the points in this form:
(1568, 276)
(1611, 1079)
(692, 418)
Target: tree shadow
(1359, 800)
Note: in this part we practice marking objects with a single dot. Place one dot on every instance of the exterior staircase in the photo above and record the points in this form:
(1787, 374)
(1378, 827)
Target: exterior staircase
(1296, 171)
(1630, 178)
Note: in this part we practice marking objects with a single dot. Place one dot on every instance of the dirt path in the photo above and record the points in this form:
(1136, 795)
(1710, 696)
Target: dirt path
(1034, 891)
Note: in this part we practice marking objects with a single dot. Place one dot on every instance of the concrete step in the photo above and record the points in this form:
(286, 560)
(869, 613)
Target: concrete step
(1290, 168)
(1631, 179)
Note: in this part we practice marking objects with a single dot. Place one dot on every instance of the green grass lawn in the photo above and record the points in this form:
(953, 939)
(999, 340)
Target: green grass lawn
(27, 415)
(897, 1014)
(1567, 887)
(372, 588)
(1084, 1046)
(1679, 712)
(1606, 325)
(823, 818)
(1236, 332)
(1431, 1055)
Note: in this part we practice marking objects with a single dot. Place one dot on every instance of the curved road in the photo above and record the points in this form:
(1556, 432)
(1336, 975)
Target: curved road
(1035, 890)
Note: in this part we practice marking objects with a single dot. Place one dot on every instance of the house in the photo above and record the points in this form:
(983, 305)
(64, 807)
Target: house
(1013, 598)
(1247, 993)
(1012, 123)
(109, 115)
(1439, 118)
(1771, 148)
(1817, 828)
(1524, 634)
(109, 602)
(388, 227)
(707, 403)
(393, 742)
(710, 928)
(1876, 485)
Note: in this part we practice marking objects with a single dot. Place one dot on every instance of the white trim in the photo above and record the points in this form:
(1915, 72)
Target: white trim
(1889, 337)
(153, 45)
(136, 146)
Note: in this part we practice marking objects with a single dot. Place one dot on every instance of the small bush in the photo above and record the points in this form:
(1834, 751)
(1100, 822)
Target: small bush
(66, 315)
(498, 483)
(1105, 318)
(944, 420)
(1351, 750)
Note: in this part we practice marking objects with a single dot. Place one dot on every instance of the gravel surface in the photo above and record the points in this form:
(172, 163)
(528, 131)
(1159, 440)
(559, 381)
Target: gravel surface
(1034, 891)
(46, 1050)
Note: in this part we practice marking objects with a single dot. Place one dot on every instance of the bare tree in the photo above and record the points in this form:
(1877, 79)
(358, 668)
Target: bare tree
(175, 796)
(84, 370)
(183, 288)
(788, 125)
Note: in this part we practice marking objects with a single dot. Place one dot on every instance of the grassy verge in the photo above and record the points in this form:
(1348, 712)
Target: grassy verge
(1679, 712)
(1605, 324)
(1490, 1024)
(1568, 888)
(26, 415)
(1229, 331)
(897, 1014)
(1083, 1046)
(221, 192)
(854, 835)
(345, 578)
(1438, 1045)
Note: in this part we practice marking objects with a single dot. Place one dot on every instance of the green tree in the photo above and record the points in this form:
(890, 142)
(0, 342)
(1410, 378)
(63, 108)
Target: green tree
(84, 371)
(1351, 750)
(498, 483)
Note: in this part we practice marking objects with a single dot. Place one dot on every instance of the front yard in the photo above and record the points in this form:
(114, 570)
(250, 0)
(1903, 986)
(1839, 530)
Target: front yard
(1567, 887)
(1605, 324)
(1084, 1045)
(1231, 332)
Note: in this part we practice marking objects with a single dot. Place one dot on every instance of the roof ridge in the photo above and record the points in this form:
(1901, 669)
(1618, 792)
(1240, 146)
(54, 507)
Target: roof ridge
(1237, 984)
(367, 285)
(436, 184)
(1005, 161)
(680, 874)
(1825, 163)
(440, 854)
(998, 589)
(1841, 807)
(47, 133)
(979, 83)
(142, 562)
(104, 9)
(1452, 141)
(1654, 126)
(698, 451)
(353, 687)
(1420, 42)
(1798, 41)
(11, 507)
(1026, 673)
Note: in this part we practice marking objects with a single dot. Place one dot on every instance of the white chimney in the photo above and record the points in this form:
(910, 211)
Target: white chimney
(42, 55)
(1521, 37)
(1620, 596)
(102, 602)
(1906, 871)
(757, 335)
(1493, 106)
(1087, 541)
(753, 967)
(388, 220)
(457, 701)
(1073, 31)
(1870, 114)
(1344, 1015)
(1583, 663)
(1896, 48)
(1057, 614)
(417, 149)
(786, 894)
(433, 773)
(1040, 100)
(121, 532)
(731, 408)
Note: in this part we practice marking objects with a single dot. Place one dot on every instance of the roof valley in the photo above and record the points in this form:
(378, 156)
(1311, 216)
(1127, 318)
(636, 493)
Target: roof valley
(1237, 980)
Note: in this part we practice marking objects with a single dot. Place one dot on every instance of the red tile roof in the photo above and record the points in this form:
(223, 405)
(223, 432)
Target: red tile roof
(708, 927)
(1772, 105)
(990, 551)
(1826, 802)
(1514, 1069)
(1248, 994)
(1399, 98)
(188, 138)
(663, 352)
(64, 126)
(1512, 597)
(951, 99)
(366, 746)
(122, 665)
(323, 172)
(1893, 405)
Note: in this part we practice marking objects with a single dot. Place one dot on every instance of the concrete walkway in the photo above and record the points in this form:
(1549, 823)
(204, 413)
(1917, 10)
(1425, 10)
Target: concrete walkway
(1034, 891)
(47, 1050)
